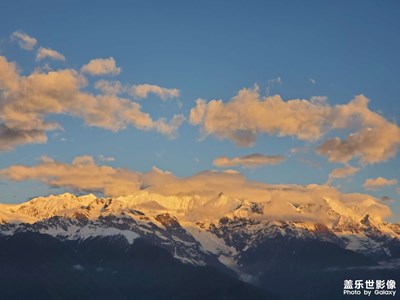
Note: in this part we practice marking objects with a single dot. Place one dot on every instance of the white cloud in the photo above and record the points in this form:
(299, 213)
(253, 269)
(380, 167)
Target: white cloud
(101, 66)
(248, 161)
(275, 81)
(378, 183)
(43, 53)
(312, 80)
(106, 158)
(24, 41)
(247, 115)
(143, 90)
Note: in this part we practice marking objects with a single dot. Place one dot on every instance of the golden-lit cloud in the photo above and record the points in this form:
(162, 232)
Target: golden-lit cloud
(248, 161)
(10, 137)
(82, 175)
(25, 101)
(101, 66)
(43, 53)
(110, 87)
(376, 140)
(9, 77)
(247, 115)
(24, 41)
(142, 90)
(378, 183)
(343, 172)
(197, 113)
(282, 201)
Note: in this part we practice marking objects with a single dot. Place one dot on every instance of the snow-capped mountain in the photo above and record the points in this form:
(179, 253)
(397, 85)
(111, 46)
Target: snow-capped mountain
(196, 228)
(240, 237)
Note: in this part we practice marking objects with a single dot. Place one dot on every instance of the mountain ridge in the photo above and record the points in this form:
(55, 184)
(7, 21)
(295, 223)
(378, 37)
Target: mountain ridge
(238, 237)
(350, 228)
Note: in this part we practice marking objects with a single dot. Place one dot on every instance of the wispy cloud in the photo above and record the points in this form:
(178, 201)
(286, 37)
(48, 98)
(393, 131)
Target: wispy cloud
(143, 90)
(343, 172)
(248, 161)
(140, 91)
(393, 264)
(311, 163)
(312, 81)
(106, 158)
(101, 66)
(43, 53)
(378, 183)
(273, 82)
(24, 41)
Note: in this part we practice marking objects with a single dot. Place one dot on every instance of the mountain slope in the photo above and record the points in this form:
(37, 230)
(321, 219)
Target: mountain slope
(237, 238)
(107, 268)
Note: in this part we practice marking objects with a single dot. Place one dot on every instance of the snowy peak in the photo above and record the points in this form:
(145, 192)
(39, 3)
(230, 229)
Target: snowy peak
(317, 217)
(201, 229)
(193, 208)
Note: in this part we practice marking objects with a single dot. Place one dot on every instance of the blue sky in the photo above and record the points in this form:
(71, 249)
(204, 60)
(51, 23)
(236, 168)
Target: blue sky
(212, 50)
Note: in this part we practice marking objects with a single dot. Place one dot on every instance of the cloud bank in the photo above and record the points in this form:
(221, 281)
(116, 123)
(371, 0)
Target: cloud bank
(25, 101)
(248, 115)
(84, 174)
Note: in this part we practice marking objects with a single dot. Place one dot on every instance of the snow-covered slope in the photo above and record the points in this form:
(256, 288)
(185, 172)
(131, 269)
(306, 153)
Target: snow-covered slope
(203, 229)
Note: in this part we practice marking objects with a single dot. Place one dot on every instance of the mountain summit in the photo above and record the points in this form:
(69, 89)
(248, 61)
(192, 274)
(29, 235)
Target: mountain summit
(236, 236)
